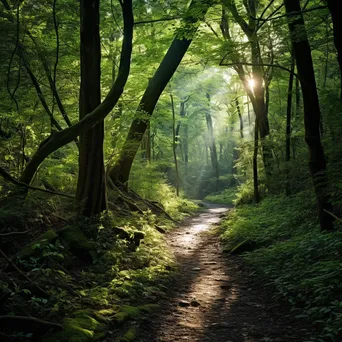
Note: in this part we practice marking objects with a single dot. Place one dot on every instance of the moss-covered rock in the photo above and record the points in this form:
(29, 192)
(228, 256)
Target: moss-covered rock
(34, 247)
(80, 327)
(128, 312)
(77, 242)
(130, 335)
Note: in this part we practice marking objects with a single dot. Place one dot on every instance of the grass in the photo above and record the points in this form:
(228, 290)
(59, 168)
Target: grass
(226, 196)
(281, 242)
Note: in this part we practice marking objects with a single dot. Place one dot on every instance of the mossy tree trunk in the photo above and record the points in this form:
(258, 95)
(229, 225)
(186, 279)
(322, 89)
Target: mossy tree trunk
(312, 113)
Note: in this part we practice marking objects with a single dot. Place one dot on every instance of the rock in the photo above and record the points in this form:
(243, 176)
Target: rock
(195, 303)
(77, 242)
(35, 247)
(183, 303)
(196, 269)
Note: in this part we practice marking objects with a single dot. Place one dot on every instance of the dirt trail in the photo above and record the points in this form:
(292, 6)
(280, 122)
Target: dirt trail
(212, 299)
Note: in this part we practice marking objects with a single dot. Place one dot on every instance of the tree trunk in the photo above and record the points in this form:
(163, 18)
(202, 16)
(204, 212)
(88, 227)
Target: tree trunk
(185, 137)
(312, 114)
(212, 143)
(195, 13)
(174, 144)
(91, 196)
(335, 7)
(240, 117)
(59, 139)
(257, 94)
(288, 125)
(255, 162)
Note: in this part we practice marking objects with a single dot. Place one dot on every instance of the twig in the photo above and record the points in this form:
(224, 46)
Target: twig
(333, 215)
(14, 233)
(8, 177)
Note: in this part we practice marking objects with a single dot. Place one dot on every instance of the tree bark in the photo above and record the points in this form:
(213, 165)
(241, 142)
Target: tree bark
(174, 144)
(59, 139)
(312, 113)
(288, 124)
(255, 162)
(91, 198)
(240, 117)
(119, 173)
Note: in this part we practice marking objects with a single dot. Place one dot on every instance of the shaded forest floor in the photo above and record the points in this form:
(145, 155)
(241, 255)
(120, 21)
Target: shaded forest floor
(213, 298)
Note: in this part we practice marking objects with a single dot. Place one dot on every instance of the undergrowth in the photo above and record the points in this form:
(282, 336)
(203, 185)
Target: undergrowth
(285, 249)
(226, 196)
(98, 276)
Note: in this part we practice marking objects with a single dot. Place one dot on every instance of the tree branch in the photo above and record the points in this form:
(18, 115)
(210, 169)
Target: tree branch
(262, 65)
(9, 178)
(142, 22)
(230, 4)
(59, 139)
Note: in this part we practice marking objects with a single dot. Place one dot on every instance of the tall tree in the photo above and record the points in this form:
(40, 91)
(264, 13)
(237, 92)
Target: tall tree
(312, 113)
(260, 77)
(212, 143)
(119, 173)
(335, 7)
(288, 122)
(91, 187)
(59, 139)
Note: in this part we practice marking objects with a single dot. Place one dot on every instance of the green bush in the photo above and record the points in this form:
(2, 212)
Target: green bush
(227, 196)
(286, 250)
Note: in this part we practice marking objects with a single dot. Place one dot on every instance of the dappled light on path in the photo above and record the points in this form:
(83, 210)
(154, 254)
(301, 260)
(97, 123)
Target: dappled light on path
(210, 299)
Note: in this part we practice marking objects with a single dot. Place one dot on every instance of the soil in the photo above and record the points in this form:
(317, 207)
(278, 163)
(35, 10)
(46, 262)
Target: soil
(213, 298)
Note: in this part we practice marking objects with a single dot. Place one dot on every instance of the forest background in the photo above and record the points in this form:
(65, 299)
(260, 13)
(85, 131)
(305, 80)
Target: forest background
(114, 107)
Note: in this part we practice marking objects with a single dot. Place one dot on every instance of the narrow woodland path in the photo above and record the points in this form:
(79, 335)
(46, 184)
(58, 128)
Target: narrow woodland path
(212, 299)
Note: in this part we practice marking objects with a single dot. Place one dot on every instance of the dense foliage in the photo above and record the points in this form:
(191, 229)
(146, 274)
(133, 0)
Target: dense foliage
(113, 114)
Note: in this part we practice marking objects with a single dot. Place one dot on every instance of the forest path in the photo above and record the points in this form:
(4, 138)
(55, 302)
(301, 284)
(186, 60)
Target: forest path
(212, 299)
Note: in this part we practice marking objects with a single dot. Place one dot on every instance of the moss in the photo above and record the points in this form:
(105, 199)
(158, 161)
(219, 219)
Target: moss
(106, 312)
(31, 250)
(128, 312)
(104, 315)
(80, 328)
(130, 335)
(77, 242)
